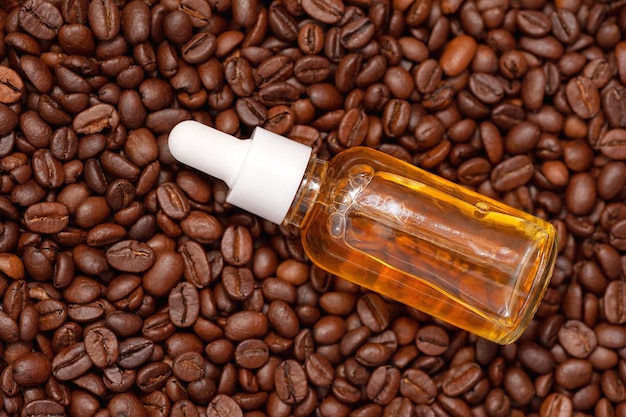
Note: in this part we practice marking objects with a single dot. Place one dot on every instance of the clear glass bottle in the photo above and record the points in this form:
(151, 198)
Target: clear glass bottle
(389, 226)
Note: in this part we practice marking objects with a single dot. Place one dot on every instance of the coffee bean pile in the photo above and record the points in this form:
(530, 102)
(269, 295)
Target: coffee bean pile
(130, 288)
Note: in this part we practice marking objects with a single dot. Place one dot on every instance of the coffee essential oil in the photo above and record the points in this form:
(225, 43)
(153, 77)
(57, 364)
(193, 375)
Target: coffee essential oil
(389, 226)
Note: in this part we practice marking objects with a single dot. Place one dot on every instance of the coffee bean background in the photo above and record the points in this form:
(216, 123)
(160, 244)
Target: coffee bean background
(130, 288)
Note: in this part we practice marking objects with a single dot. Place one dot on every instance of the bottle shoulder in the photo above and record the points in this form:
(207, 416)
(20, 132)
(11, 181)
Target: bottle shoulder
(362, 155)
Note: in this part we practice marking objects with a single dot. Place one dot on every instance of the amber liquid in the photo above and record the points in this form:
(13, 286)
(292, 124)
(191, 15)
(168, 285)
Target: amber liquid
(470, 261)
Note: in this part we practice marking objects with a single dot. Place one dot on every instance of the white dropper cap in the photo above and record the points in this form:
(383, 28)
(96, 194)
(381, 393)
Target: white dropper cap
(263, 172)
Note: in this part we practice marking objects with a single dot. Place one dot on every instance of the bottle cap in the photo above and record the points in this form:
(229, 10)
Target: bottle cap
(263, 172)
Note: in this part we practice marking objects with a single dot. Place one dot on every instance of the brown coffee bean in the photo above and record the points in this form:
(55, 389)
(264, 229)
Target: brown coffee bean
(44, 407)
(46, 217)
(201, 226)
(327, 11)
(357, 33)
(11, 86)
(189, 366)
(486, 87)
(123, 324)
(432, 340)
(428, 76)
(31, 369)
(573, 373)
(52, 314)
(512, 173)
(457, 55)
(583, 97)
(184, 305)
(613, 296)
(131, 256)
(197, 268)
(319, 370)
(238, 74)
(251, 354)
(223, 405)
(577, 339)
(41, 19)
(395, 117)
(101, 346)
(236, 245)
(418, 386)
(95, 119)
(612, 143)
(565, 26)
(311, 38)
(536, 358)
(245, 324)
(580, 194)
(418, 12)
(104, 19)
(461, 379)
(283, 319)
(290, 381)
(153, 376)
(353, 127)
(71, 362)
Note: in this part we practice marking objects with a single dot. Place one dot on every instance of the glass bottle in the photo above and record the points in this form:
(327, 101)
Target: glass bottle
(389, 226)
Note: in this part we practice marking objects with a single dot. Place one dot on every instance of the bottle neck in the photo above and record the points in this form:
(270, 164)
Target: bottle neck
(307, 193)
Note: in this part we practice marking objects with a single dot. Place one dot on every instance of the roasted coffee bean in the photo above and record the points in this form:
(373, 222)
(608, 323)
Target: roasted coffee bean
(613, 297)
(457, 55)
(31, 369)
(432, 340)
(105, 19)
(52, 314)
(95, 119)
(428, 76)
(577, 339)
(357, 33)
(41, 19)
(101, 346)
(461, 379)
(512, 173)
(153, 376)
(290, 382)
(327, 11)
(311, 38)
(71, 362)
(164, 275)
(486, 88)
(123, 324)
(282, 23)
(123, 403)
(565, 27)
(583, 97)
(184, 305)
(131, 256)
(245, 324)
(188, 366)
(134, 352)
(223, 405)
(251, 354)
(11, 86)
(197, 268)
(46, 217)
(238, 74)
(205, 228)
(250, 111)
(533, 23)
(47, 170)
(311, 69)
(44, 407)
